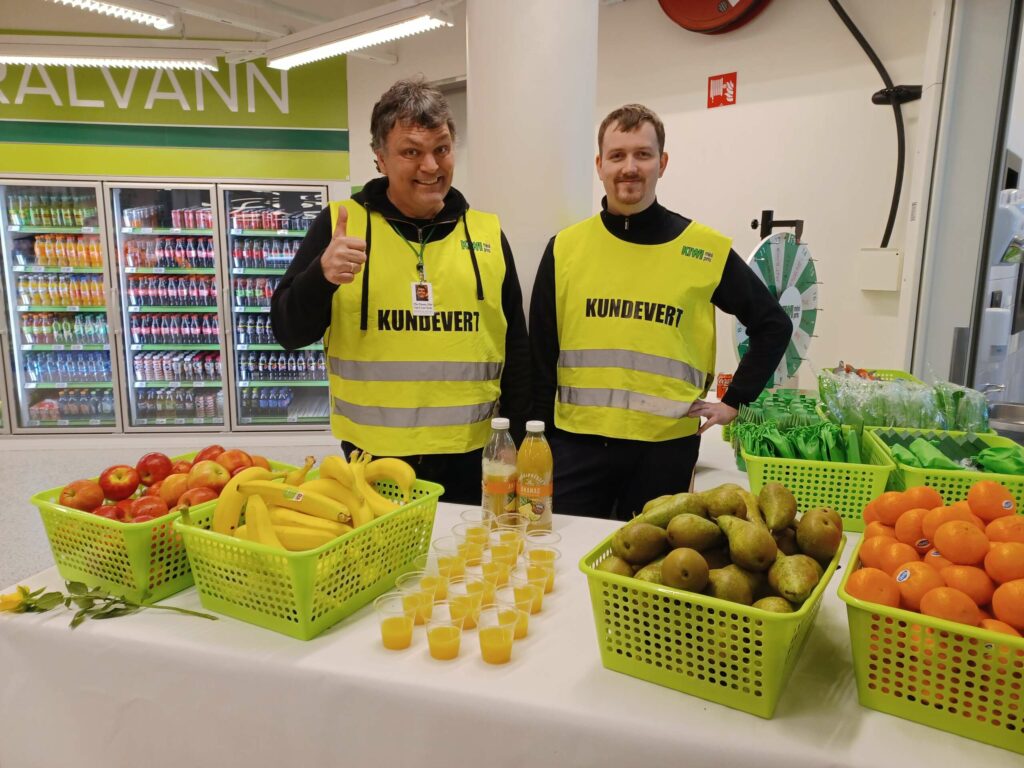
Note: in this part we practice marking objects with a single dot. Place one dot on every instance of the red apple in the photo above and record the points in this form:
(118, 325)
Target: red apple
(196, 496)
(172, 486)
(153, 467)
(260, 461)
(119, 481)
(82, 494)
(148, 505)
(110, 511)
(234, 460)
(154, 489)
(209, 453)
(125, 505)
(143, 519)
(181, 467)
(208, 474)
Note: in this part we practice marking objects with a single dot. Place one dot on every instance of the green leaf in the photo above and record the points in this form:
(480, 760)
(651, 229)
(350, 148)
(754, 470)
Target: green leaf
(115, 611)
(84, 602)
(49, 601)
(77, 588)
(78, 618)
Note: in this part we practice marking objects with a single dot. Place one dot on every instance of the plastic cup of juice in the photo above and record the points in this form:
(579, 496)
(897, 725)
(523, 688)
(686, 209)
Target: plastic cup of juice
(428, 564)
(506, 544)
(510, 520)
(478, 583)
(539, 538)
(506, 599)
(450, 561)
(419, 590)
(543, 556)
(444, 632)
(496, 633)
(494, 570)
(396, 621)
(465, 601)
(473, 515)
(526, 581)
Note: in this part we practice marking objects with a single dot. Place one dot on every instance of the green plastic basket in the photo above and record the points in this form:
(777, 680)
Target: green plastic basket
(300, 594)
(145, 562)
(844, 487)
(721, 651)
(964, 680)
(950, 483)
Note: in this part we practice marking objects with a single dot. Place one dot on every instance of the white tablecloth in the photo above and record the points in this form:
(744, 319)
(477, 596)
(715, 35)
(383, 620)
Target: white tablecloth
(158, 689)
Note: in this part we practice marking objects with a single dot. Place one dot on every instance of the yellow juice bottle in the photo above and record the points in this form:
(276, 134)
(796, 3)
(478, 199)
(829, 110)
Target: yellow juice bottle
(498, 481)
(536, 469)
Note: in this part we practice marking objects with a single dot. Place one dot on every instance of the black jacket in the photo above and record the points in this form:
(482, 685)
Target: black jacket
(300, 309)
(739, 293)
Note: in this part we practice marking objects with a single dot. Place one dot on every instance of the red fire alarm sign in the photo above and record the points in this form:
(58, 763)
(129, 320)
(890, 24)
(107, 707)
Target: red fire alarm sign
(721, 90)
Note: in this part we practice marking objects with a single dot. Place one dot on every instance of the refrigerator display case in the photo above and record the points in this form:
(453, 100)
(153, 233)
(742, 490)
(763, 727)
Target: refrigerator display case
(63, 373)
(272, 388)
(167, 273)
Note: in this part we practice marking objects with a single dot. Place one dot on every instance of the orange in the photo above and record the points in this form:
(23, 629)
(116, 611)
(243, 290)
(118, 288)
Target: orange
(871, 550)
(915, 580)
(941, 515)
(1008, 603)
(973, 582)
(935, 559)
(923, 496)
(896, 554)
(873, 586)
(908, 529)
(961, 542)
(878, 529)
(995, 625)
(989, 500)
(1006, 529)
(890, 505)
(870, 513)
(1005, 561)
(952, 605)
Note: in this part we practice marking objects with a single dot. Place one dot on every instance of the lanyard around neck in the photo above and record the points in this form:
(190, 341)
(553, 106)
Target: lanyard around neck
(417, 253)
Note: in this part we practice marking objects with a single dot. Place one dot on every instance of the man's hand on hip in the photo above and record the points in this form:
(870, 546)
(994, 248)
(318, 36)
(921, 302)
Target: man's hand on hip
(344, 256)
(714, 413)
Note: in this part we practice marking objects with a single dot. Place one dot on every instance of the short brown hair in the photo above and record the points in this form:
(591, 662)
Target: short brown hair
(409, 101)
(629, 118)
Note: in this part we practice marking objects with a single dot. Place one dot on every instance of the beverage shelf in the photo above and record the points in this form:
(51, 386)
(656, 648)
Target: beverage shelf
(70, 308)
(284, 419)
(164, 231)
(258, 270)
(39, 269)
(253, 310)
(274, 347)
(281, 383)
(65, 347)
(69, 385)
(80, 422)
(178, 384)
(183, 347)
(30, 230)
(172, 309)
(269, 232)
(175, 420)
(170, 271)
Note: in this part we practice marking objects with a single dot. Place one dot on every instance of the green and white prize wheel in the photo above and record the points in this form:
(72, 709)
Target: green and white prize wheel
(786, 267)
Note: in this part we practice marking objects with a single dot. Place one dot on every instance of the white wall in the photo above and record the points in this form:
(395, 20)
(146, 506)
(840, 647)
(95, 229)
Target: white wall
(804, 138)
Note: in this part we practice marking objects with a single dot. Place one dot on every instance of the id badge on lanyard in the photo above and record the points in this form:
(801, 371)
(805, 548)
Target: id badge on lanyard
(422, 299)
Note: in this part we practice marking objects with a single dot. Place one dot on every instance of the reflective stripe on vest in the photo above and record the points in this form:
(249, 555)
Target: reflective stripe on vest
(361, 370)
(622, 398)
(434, 416)
(633, 361)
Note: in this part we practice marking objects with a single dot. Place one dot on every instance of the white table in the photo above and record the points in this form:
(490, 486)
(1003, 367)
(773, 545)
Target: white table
(158, 689)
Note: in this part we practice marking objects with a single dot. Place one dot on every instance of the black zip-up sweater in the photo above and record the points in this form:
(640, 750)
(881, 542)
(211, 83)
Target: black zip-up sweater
(300, 309)
(739, 293)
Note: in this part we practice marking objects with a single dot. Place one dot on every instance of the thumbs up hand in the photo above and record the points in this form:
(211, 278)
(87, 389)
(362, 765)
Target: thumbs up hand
(344, 256)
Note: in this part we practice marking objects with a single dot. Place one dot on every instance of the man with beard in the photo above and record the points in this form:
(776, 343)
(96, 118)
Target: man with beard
(622, 333)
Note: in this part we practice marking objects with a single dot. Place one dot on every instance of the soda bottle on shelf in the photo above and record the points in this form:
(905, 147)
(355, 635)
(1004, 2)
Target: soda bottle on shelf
(536, 469)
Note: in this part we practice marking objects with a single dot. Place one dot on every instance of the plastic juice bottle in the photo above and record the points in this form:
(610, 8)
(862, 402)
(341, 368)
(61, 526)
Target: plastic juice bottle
(498, 485)
(536, 468)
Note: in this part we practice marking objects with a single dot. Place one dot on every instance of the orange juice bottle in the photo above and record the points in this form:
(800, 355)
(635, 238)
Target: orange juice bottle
(498, 483)
(536, 468)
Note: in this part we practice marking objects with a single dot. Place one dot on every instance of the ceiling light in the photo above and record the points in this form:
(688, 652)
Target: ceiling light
(43, 50)
(138, 11)
(382, 25)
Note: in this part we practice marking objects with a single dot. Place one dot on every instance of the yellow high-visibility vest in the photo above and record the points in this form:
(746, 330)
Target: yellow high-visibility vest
(412, 384)
(636, 330)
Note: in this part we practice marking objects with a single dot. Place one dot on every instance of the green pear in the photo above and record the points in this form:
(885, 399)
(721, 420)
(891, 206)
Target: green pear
(617, 565)
(651, 572)
(724, 500)
(778, 505)
(774, 604)
(786, 541)
(684, 568)
(729, 585)
(818, 535)
(758, 581)
(717, 558)
(654, 503)
(794, 577)
(680, 504)
(639, 543)
(688, 530)
(751, 545)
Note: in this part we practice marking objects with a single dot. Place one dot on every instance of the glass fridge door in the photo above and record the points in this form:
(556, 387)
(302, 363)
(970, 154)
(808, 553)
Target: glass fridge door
(167, 274)
(53, 263)
(272, 387)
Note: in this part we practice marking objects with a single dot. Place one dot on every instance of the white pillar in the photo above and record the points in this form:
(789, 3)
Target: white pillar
(531, 83)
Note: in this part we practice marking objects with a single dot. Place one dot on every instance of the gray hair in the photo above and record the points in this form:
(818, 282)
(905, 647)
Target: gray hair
(409, 101)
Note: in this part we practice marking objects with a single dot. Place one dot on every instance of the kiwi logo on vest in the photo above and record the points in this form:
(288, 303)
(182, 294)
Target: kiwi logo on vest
(478, 246)
(630, 309)
(697, 253)
(447, 321)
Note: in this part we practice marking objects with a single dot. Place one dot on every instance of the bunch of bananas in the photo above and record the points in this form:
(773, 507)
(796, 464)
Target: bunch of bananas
(287, 511)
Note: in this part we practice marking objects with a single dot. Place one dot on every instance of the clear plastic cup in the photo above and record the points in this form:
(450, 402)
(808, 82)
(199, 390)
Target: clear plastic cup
(542, 538)
(506, 544)
(506, 599)
(471, 539)
(496, 634)
(473, 515)
(450, 561)
(420, 590)
(526, 581)
(546, 557)
(396, 621)
(510, 520)
(465, 601)
(494, 570)
(444, 632)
